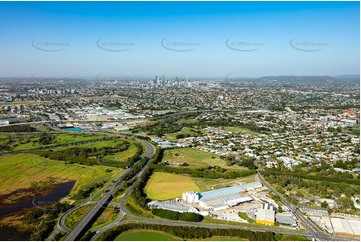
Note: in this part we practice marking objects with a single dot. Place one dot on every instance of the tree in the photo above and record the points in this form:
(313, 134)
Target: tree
(345, 203)
(324, 204)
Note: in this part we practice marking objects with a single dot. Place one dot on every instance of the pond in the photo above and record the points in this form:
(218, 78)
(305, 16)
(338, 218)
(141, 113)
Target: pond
(56, 193)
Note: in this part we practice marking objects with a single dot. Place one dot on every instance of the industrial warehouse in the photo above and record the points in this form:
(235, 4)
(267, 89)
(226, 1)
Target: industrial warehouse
(227, 203)
(220, 199)
(213, 200)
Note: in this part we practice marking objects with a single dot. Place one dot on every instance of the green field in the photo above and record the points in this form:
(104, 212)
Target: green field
(194, 157)
(151, 235)
(145, 235)
(118, 157)
(124, 155)
(31, 141)
(163, 186)
(186, 131)
(26, 170)
(100, 144)
(235, 129)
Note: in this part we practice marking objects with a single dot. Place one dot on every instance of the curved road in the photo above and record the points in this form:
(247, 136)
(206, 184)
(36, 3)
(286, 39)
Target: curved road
(78, 229)
(314, 231)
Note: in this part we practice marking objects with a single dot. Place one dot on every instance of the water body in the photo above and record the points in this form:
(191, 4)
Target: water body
(56, 194)
(74, 129)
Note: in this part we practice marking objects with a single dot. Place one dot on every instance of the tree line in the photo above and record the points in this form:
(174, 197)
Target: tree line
(212, 172)
(140, 197)
(86, 191)
(311, 177)
(92, 156)
(189, 232)
(17, 128)
(186, 216)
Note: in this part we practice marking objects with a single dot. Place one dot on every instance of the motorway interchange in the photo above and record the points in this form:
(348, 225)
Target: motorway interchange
(313, 232)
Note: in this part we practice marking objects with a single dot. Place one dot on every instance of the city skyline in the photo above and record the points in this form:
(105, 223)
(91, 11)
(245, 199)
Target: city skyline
(198, 39)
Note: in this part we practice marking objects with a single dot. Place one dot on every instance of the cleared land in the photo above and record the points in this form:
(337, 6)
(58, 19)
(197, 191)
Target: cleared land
(163, 186)
(145, 235)
(27, 170)
(193, 157)
(206, 184)
(239, 129)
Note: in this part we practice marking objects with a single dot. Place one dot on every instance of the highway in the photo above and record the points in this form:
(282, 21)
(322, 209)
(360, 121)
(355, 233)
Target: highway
(313, 230)
(102, 202)
(194, 224)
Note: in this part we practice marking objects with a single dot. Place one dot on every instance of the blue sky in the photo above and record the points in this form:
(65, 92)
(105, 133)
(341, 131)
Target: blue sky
(198, 39)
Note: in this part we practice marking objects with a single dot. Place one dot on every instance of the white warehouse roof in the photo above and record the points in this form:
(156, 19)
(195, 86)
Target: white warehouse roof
(172, 207)
(265, 214)
(344, 226)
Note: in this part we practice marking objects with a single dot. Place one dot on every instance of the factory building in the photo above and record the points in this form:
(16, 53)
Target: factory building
(345, 226)
(265, 215)
(172, 207)
(190, 197)
(220, 199)
(286, 219)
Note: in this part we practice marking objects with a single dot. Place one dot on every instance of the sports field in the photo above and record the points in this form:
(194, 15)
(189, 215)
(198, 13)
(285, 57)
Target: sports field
(194, 157)
(163, 186)
(145, 235)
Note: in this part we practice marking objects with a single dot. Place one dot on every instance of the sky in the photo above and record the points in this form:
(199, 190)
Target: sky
(195, 39)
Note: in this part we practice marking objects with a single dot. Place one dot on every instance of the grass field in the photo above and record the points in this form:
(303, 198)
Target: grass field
(68, 138)
(145, 235)
(100, 144)
(163, 186)
(194, 157)
(24, 170)
(151, 235)
(74, 217)
(185, 131)
(239, 129)
(31, 142)
(206, 184)
(124, 155)
(134, 208)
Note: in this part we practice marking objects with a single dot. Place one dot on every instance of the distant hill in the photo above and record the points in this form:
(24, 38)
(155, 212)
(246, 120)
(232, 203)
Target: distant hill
(353, 77)
(308, 79)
